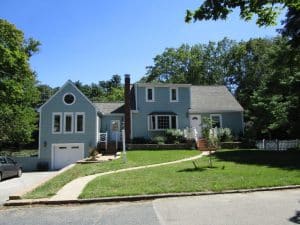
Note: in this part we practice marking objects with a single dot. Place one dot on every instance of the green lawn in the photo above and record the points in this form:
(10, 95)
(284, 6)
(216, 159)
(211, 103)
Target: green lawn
(134, 158)
(231, 169)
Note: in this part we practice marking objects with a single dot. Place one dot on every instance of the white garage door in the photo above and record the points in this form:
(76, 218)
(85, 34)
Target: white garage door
(66, 154)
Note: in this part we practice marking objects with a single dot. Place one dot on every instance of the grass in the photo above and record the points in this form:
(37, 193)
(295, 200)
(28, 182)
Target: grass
(134, 158)
(231, 170)
(19, 153)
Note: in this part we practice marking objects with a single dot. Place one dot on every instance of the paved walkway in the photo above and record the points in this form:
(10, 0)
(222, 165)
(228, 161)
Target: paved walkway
(72, 190)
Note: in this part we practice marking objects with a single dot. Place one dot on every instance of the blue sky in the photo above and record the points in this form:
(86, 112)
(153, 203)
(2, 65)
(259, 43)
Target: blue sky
(91, 40)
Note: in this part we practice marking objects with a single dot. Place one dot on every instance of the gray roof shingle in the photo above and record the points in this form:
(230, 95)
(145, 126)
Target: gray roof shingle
(209, 99)
(109, 107)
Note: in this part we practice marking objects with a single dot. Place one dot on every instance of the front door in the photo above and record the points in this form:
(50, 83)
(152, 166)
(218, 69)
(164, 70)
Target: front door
(195, 122)
(115, 130)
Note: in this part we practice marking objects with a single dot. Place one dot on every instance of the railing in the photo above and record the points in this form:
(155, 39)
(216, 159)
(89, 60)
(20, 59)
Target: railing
(103, 139)
(190, 133)
(279, 145)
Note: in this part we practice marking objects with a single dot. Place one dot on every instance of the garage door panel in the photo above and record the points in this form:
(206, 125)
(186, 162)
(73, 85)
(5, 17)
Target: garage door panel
(66, 154)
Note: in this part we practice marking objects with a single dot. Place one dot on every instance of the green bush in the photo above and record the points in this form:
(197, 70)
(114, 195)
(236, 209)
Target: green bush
(159, 140)
(174, 136)
(224, 134)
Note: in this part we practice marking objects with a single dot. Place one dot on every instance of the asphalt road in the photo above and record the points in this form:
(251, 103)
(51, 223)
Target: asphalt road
(261, 208)
(17, 184)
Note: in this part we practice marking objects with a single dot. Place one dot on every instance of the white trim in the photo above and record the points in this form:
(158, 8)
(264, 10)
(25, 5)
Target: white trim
(58, 144)
(156, 122)
(74, 86)
(72, 122)
(97, 128)
(220, 116)
(136, 99)
(170, 93)
(40, 131)
(53, 122)
(83, 122)
(153, 94)
(162, 85)
(68, 93)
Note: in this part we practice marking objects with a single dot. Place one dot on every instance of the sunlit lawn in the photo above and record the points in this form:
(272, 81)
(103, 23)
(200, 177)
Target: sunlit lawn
(134, 158)
(231, 170)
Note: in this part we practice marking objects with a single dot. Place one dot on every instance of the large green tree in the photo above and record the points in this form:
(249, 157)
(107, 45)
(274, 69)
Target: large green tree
(265, 11)
(197, 64)
(18, 92)
(262, 73)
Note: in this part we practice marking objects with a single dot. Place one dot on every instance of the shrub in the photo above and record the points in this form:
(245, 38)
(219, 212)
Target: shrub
(159, 140)
(224, 134)
(174, 136)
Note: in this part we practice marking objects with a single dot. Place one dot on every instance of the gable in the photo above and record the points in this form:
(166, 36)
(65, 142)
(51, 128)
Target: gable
(68, 97)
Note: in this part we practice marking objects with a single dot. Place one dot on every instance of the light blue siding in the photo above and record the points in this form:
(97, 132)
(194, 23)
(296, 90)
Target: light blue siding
(106, 122)
(161, 104)
(232, 120)
(56, 104)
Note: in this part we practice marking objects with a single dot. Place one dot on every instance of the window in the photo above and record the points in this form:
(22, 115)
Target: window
(216, 120)
(79, 122)
(56, 123)
(149, 94)
(173, 94)
(68, 128)
(69, 98)
(162, 122)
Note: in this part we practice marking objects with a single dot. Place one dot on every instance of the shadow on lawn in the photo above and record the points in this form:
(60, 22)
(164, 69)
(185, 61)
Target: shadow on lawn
(289, 160)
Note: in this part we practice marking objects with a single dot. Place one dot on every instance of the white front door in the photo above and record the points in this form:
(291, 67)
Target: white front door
(195, 122)
(115, 130)
(66, 154)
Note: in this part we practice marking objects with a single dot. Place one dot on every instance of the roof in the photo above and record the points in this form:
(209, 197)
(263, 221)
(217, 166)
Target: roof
(109, 107)
(208, 99)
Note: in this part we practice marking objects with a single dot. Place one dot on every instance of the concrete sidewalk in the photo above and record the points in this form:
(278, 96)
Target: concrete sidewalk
(72, 190)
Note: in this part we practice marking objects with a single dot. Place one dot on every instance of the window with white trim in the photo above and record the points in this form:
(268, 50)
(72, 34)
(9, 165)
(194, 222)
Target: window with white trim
(79, 122)
(173, 94)
(56, 123)
(150, 94)
(68, 122)
(216, 120)
(162, 122)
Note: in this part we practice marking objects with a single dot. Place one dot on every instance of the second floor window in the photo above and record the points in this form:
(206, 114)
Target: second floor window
(149, 94)
(173, 95)
(56, 123)
(68, 123)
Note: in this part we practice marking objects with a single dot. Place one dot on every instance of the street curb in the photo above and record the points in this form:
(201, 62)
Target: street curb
(138, 197)
(18, 195)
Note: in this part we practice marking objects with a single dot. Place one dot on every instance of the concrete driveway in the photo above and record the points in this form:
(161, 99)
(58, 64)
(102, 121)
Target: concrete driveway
(18, 184)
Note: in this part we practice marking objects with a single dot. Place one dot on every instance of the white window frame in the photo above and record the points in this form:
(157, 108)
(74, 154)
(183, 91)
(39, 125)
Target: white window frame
(153, 94)
(156, 122)
(72, 122)
(83, 122)
(68, 93)
(176, 89)
(53, 122)
(220, 117)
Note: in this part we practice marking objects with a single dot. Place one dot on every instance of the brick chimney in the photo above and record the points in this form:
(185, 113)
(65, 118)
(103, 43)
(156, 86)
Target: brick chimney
(127, 108)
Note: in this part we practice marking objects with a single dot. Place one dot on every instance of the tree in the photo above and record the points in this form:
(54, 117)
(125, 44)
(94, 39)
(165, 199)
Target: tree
(197, 64)
(18, 91)
(266, 13)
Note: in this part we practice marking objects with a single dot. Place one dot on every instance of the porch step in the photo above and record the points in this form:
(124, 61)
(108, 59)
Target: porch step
(111, 148)
(202, 145)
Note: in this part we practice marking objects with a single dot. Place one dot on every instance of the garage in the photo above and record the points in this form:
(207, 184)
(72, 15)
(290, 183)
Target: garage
(66, 154)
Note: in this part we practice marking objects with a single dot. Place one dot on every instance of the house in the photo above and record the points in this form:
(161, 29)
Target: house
(70, 123)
